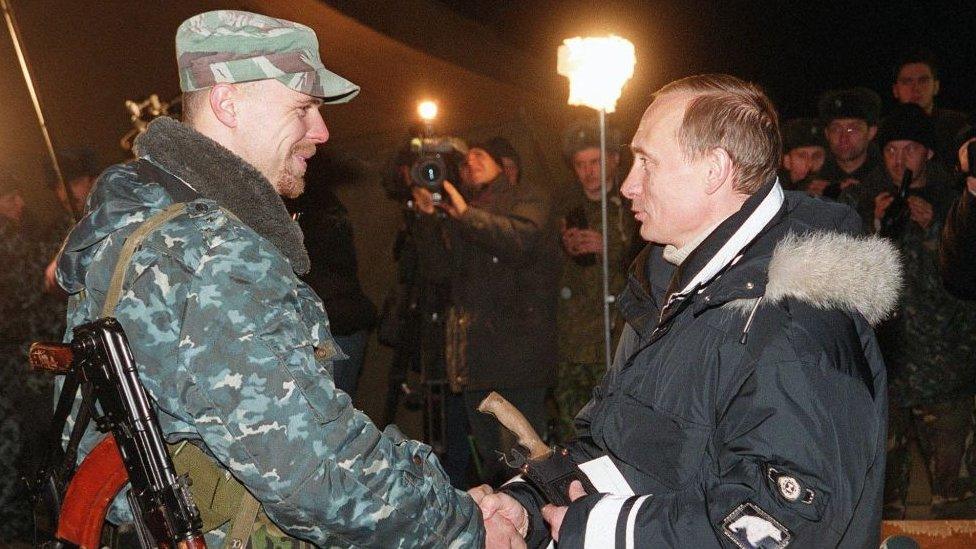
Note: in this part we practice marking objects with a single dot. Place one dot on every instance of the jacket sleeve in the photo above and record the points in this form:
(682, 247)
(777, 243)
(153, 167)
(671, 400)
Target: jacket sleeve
(957, 259)
(271, 415)
(511, 236)
(789, 459)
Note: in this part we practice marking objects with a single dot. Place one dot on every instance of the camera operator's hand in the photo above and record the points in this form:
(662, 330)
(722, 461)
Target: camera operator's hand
(455, 205)
(921, 211)
(423, 201)
(881, 203)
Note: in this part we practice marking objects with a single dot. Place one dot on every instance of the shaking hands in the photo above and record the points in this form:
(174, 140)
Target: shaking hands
(507, 522)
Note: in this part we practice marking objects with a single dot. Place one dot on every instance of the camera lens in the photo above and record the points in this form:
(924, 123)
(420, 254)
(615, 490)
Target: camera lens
(432, 172)
(429, 172)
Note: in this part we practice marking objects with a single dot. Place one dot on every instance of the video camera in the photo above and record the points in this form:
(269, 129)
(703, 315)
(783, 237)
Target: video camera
(437, 159)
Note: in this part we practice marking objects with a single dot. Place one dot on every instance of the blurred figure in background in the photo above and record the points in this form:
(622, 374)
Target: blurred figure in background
(916, 80)
(25, 315)
(958, 247)
(929, 346)
(496, 238)
(850, 119)
(804, 153)
(582, 360)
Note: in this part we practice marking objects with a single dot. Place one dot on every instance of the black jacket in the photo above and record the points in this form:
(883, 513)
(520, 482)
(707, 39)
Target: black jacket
(334, 270)
(503, 260)
(958, 248)
(750, 406)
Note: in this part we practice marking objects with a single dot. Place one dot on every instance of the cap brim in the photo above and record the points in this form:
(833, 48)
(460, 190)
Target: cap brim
(335, 89)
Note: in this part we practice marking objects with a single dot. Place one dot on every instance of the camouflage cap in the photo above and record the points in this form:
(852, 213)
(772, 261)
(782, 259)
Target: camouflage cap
(239, 46)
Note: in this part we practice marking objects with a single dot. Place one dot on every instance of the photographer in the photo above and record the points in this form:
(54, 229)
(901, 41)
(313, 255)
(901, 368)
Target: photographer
(958, 247)
(930, 344)
(501, 324)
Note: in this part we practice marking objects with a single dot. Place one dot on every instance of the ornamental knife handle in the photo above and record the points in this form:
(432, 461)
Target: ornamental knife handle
(513, 420)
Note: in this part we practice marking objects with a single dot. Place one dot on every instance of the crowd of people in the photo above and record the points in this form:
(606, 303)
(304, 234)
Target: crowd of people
(500, 288)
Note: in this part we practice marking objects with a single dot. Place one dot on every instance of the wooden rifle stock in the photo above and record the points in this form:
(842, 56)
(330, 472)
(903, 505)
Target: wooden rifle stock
(51, 358)
(95, 484)
(97, 481)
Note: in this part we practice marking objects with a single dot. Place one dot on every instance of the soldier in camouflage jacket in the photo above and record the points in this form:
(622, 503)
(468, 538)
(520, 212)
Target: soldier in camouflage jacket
(930, 345)
(233, 348)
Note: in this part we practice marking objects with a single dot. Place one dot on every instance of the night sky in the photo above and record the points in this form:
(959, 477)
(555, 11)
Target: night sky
(795, 49)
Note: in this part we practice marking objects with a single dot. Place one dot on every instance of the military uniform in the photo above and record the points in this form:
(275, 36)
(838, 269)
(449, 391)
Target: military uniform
(858, 103)
(27, 314)
(930, 351)
(234, 350)
(580, 311)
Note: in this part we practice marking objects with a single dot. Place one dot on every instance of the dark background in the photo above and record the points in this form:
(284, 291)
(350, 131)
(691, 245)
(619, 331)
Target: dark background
(795, 49)
(490, 63)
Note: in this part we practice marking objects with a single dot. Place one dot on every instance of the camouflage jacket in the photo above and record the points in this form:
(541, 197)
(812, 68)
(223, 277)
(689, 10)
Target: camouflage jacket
(580, 312)
(930, 344)
(27, 313)
(235, 351)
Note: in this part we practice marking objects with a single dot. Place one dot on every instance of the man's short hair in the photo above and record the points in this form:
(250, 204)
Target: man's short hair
(923, 56)
(735, 115)
(194, 102)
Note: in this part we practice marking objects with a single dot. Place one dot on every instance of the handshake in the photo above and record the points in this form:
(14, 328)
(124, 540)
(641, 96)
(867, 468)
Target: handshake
(507, 521)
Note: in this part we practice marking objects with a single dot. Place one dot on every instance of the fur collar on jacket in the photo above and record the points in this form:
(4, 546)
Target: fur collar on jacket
(220, 175)
(832, 270)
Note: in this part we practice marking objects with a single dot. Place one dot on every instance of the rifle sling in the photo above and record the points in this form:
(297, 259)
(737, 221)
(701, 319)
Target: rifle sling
(198, 469)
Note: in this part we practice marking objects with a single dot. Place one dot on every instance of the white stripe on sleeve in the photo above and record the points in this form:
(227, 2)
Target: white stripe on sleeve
(601, 525)
(632, 520)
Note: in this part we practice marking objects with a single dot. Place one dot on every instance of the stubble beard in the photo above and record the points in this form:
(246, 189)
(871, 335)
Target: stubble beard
(291, 181)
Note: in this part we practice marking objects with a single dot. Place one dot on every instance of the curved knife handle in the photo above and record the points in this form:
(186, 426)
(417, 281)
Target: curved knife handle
(513, 420)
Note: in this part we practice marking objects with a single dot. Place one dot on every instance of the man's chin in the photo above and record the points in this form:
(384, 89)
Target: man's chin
(290, 186)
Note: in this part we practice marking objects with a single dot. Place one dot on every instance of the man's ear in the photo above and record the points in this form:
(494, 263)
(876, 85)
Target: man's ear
(872, 132)
(223, 103)
(719, 165)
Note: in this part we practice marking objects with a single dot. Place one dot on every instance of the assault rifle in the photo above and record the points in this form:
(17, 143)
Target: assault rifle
(100, 361)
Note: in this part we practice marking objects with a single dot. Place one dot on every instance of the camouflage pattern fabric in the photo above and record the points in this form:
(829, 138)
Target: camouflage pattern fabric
(929, 347)
(944, 432)
(580, 306)
(574, 388)
(236, 353)
(227, 46)
(930, 344)
(26, 314)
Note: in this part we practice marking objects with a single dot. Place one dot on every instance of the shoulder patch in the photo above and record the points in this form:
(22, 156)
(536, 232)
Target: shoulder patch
(749, 527)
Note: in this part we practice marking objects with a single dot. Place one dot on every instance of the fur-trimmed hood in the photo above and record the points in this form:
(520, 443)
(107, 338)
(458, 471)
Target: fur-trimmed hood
(812, 251)
(220, 175)
(837, 271)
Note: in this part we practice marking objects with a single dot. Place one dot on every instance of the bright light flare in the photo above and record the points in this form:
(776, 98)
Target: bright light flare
(597, 68)
(427, 110)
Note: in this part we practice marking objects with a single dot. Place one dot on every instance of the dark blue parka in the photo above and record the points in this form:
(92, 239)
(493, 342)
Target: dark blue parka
(746, 406)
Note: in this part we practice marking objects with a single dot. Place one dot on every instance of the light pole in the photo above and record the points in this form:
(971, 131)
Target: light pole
(597, 69)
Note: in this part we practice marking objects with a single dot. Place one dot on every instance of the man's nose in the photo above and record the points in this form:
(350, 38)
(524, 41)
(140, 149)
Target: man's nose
(316, 132)
(631, 186)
